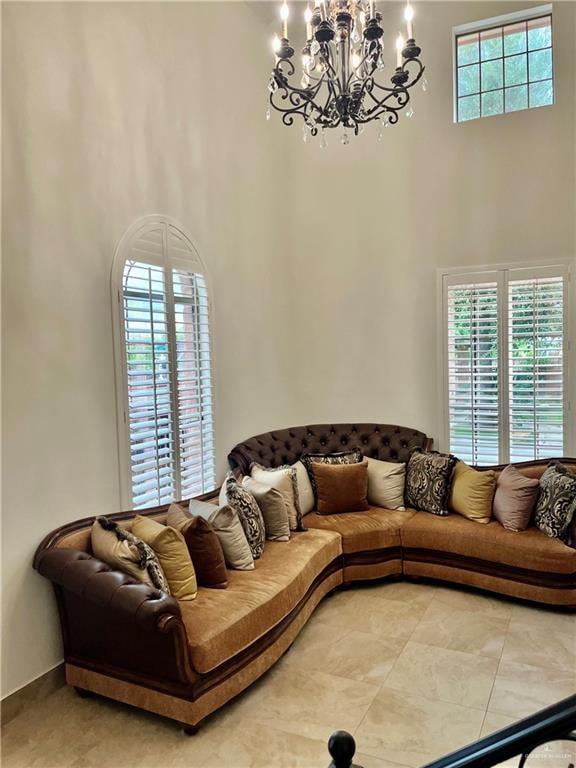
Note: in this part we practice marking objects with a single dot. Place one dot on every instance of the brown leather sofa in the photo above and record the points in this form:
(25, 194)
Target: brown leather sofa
(132, 643)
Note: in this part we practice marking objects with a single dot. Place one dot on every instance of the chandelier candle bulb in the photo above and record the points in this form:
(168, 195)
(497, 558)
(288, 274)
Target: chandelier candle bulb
(284, 13)
(308, 20)
(409, 15)
(276, 44)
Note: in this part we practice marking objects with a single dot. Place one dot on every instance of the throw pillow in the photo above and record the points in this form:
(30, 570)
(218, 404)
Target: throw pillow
(272, 508)
(171, 550)
(428, 479)
(203, 546)
(556, 505)
(227, 526)
(247, 510)
(304, 489)
(386, 483)
(515, 498)
(284, 480)
(120, 549)
(340, 457)
(472, 492)
(341, 487)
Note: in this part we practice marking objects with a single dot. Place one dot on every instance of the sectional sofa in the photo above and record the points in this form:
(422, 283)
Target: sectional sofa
(130, 642)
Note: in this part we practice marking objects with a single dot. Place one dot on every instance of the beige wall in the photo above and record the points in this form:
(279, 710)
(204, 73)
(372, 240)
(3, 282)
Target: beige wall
(323, 263)
(112, 111)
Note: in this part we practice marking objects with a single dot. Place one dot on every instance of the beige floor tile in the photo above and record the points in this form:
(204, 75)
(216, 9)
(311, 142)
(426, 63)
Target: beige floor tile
(357, 655)
(448, 675)
(494, 721)
(521, 690)
(467, 600)
(305, 702)
(461, 630)
(540, 648)
(368, 761)
(547, 619)
(402, 591)
(387, 619)
(403, 727)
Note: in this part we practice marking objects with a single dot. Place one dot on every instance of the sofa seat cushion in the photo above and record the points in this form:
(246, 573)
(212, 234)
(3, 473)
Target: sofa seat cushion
(530, 550)
(377, 528)
(221, 623)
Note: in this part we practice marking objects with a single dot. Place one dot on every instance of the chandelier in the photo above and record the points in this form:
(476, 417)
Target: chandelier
(341, 60)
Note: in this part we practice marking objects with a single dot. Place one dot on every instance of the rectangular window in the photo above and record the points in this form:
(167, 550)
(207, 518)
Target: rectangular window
(506, 370)
(504, 65)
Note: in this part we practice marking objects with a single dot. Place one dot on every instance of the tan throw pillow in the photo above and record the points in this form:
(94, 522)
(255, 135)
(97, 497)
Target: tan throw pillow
(273, 509)
(284, 480)
(472, 492)
(386, 484)
(120, 549)
(228, 528)
(172, 552)
(203, 546)
(303, 488)
(515, 498)
(341, 487)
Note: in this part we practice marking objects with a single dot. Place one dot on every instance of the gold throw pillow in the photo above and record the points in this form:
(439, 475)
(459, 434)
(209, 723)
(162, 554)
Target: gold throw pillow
(172, 552)
(472, 492)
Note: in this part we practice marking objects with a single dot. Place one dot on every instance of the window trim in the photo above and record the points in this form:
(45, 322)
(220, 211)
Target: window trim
(482, 26)
(193, 263)
(552, 266)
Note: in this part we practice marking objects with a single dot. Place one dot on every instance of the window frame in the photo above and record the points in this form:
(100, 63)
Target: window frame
(493, 23)
(504, 271)
(192, 262)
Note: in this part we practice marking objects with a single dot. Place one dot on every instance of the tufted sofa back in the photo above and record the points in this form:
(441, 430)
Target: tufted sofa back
(285, 446)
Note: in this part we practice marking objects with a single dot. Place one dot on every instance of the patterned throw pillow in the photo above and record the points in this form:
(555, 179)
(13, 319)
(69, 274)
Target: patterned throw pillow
(556, 505)
(340, 457)
(248, 511)
(428, 481)
(121, 549)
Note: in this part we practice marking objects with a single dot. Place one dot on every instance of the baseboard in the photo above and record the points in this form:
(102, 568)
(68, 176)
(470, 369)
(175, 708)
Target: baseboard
(38, 689)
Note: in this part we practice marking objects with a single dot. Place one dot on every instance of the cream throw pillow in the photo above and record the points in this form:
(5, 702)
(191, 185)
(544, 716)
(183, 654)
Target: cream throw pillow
(283, 479)
(172, 552)
(386, 483)
(273, 508)
(226, 523)
(304, 486)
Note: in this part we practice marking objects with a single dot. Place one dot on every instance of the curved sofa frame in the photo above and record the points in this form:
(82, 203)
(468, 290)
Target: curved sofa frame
(141, 656)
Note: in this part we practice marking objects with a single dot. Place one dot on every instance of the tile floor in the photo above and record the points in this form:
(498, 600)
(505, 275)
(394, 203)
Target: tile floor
(412, 670)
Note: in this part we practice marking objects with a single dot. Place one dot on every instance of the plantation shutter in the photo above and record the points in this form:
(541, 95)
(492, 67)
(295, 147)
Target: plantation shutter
(536, 367)
(168, 375)
(473, 373)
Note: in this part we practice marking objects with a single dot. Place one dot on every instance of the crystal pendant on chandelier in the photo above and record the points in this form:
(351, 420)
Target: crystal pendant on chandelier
(342, 84)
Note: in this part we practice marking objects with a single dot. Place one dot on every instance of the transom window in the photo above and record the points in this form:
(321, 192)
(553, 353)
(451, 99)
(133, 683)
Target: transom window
(505, 358)
(165, 373)
(504, 67)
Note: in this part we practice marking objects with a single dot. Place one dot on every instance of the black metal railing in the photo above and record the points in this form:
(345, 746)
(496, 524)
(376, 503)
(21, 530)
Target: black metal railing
(555, 723)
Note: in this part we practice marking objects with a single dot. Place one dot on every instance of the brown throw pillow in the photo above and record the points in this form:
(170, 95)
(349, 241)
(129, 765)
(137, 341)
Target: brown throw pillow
(203, 545)
(341, 487)
(514, 499)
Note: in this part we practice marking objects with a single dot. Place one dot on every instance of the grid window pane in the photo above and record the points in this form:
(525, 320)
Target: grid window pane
(468, 108)
(540, 65)
(516, 70)
(467, 46)
(469, 80)
(492, 103)
(509, 61)
(492, 75)
(540, 33)
(516, 98)
(515, 38)
(541, 94)
(491, 44)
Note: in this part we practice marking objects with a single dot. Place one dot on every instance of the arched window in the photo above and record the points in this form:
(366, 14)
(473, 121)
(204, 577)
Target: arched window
(161, 311)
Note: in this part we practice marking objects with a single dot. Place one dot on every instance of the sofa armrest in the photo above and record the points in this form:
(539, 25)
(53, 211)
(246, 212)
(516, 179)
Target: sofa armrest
(94, 581)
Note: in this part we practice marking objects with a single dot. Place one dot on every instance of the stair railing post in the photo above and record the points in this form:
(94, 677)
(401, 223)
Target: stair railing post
(342, 747)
